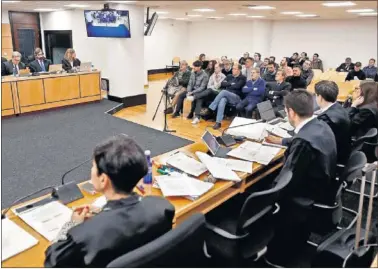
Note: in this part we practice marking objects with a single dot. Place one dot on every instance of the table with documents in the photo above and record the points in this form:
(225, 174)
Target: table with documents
(213, 195)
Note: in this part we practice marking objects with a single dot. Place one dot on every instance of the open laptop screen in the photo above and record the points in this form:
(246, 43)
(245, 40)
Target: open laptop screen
(211, 142)
(266, 111)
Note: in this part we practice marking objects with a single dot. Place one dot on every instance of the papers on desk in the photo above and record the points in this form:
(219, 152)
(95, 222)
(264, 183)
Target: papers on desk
(216, 169)
(182, 185)
(254, 131)
(186, 164)
(235, 165)
(47, 219)
(254, 152)
(277, 131)
(286, 126)
(14, 239)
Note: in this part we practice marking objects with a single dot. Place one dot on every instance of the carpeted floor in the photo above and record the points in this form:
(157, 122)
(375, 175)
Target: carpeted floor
(38, 148)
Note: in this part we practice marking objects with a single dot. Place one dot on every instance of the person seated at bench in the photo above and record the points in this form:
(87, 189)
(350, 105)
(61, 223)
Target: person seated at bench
(307, 73)
(208, 95)
(270, 74)
(253, 92)
(95, 237)
(13, 66)
(231, 93)
(296, 80)
(197, 83)
(277, 90)
(370, 70)
(70, 61)
(40, 64)
(177, 85)
(356, 73)
(227, 69)
(316, 63)
(347, 66)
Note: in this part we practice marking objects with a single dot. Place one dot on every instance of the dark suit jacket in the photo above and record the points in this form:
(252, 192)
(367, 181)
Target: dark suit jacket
(362, 119)
(8, 67)
(234, 84)
(122, 226)
(35, 66)
(67, 66)
(337, 118)
(344, 68)
(278, 92)
(297, 82)
(3, 60)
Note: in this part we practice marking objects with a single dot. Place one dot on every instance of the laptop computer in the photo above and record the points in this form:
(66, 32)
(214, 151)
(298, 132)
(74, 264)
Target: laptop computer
(55, 67)
(267, 113)
(85, 67)
(213, 146)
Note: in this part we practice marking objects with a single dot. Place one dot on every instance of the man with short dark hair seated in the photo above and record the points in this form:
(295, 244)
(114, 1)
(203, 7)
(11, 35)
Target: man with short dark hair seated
(347, 66)
(270, 74)
(231, 93)
(254, 92)
(227, 68)
(307, 72)
(247, 68)
(296, 80)
(95, 237)
(273, 59)
(356, 73)
(311, 156)
(40, 64)
(277, 90)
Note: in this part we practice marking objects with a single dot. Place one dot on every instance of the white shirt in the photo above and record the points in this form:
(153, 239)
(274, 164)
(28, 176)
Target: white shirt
(303, 123)
(327, 107)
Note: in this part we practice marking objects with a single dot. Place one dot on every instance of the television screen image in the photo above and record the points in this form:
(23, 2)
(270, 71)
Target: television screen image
(110, 23)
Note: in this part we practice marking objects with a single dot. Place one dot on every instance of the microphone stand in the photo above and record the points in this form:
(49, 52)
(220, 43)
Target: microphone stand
(165, 114)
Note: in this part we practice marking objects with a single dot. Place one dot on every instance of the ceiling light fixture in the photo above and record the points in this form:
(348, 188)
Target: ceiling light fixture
(204, 9)
(306, 15)
(121, 2)
(214, 18)
(46, 9)
(368, 14)
(360, 10)
(181, 19)
(194, 15)
(261, 7)
(255, 16)
(76, 5)
(339, 4)
(162, 12)
(163, 18)
(237, 14)
(9, 2)
(291, 12)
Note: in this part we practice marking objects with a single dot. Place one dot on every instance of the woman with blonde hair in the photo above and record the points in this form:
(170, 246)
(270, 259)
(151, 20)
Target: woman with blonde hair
(70, 61)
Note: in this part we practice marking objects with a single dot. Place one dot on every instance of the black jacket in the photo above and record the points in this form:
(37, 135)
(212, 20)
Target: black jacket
(122, 226)
(276, 92)
(344, 68)
(226, 73)
(67, 66)
(297, 82)
(234, 84)
(36, 67)
(362, 119)
(268, 77)
(337, 118)
(8, 67)
(360, 75)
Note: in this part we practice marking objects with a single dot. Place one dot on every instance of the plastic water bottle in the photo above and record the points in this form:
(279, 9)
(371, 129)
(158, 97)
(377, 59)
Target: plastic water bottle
(147, 180)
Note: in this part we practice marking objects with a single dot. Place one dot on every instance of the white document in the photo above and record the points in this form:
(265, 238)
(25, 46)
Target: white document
(100, 202)
(47, 219)
(254, 152)
(182, 186)
(286, 126)
(254, 131)
(186, 164)
(235, 165)
(14, 239)
(277, 131)
(273, 145)
(217, 170)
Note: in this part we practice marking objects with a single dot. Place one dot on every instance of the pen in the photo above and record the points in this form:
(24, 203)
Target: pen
(140, 188)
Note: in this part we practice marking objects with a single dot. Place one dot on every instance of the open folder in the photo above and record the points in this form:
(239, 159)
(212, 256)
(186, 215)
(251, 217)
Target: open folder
(186, 164)
(216, 169)
(255, 152)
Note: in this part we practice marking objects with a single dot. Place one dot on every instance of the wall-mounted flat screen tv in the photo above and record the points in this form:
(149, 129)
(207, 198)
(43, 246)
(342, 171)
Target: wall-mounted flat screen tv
(108, 23)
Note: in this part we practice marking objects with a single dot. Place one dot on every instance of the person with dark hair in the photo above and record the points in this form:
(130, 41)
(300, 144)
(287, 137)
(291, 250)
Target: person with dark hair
(307, 72)
(40, 64)
(243, 59)
(270, 74)
(356, 73)
(202, 58)
(311, 156)
(303, 58)
(347, 66)
(247, 68)
(284, 65)
(370, 70)
(227, 69)
(294, 60)
(257, 58)
(364, 111)
(13, 66)
(296, 80)
(210, 68)
(316, 63)
(277, 90)
(264, 67)
(231, 93)
(253, 92)
(94, 237)
(197, 83)
(273, 59)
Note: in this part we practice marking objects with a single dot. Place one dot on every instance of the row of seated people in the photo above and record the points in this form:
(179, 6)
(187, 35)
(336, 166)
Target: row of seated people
(129, 221)
(244, 89)
(38, 63)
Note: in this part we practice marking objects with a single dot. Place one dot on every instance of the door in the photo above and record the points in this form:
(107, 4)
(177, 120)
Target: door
(56, 44)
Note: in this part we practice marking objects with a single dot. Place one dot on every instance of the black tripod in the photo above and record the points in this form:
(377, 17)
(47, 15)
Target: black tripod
(165, 92)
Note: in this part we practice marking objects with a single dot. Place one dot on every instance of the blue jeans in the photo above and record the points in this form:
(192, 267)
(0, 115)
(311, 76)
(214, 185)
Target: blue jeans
(223, 98)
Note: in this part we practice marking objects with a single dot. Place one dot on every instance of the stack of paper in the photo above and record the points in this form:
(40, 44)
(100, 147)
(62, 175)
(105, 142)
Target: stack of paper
(186, 164)
(277, 131)
(235, 165)
(286, 126)
(216, 169)
(14, 240)
(254, 131)
(47, 219)
(254, 152)
(182, 186)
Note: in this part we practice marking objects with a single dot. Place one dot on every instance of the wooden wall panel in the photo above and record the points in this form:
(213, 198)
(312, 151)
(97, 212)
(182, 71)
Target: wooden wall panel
(63, 88)
(6, 96)
(89, 85)
(6, 41)
(6, 30)
(7, 53)
(30, 92)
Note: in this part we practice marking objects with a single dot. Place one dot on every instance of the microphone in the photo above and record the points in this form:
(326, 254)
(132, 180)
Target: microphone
(227, 139)
(3, 215)
(68, 192)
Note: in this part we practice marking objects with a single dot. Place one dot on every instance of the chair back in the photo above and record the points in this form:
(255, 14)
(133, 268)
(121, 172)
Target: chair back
(317, 73)
(368, 137)
(353, 168)
(180, 247)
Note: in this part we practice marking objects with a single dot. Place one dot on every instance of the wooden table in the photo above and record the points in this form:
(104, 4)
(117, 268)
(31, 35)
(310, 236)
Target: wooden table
(221, 192)
(27, 94)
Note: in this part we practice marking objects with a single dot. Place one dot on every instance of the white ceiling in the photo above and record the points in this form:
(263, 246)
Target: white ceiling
(181, 9)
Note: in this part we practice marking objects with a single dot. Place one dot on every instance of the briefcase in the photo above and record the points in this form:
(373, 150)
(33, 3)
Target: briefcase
(354, 247)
